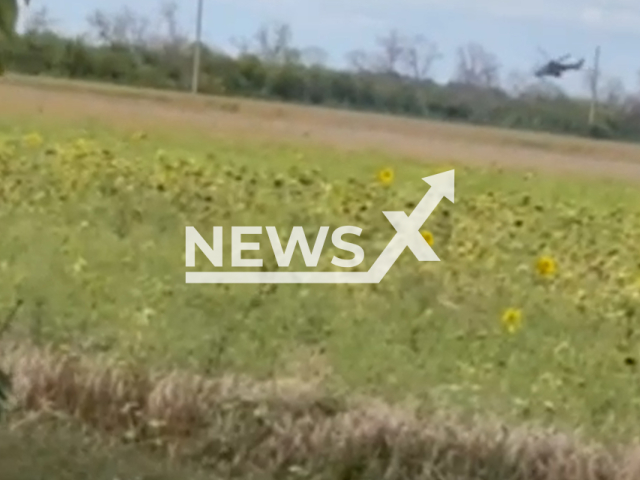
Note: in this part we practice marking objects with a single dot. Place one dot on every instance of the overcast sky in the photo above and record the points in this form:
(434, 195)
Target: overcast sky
(512, 29)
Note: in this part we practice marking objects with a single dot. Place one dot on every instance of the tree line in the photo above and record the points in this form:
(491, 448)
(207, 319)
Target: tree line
(394, 76)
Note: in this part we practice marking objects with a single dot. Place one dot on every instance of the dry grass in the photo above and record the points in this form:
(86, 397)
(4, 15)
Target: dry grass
(237, 427)
(422, 140)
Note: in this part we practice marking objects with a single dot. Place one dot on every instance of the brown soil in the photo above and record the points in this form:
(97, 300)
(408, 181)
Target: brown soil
(422, 140)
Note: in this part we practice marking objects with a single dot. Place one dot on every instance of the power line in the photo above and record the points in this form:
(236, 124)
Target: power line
(196, 54)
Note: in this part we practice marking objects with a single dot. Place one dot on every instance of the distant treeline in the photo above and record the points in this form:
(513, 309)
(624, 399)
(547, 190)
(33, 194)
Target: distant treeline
(280, 72)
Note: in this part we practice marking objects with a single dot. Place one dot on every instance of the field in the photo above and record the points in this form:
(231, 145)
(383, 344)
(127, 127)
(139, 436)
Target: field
(530, 320)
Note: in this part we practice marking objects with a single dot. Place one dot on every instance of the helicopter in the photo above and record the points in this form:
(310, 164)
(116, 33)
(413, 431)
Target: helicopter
(556, 68)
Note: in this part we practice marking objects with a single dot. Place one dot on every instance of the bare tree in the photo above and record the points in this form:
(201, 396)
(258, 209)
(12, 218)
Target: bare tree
(517, 83)
(169, 16)
(360, 61)
(613, 92)
(419, 55)
(397, 54)
(124, 27)
(477, 67)
(313, 56)
(274, 44)
(242, 45)
(100, 24)
(390, 55)
(631, 104)
(39, 21)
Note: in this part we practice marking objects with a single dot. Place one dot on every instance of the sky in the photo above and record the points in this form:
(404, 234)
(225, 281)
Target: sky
(514, 31)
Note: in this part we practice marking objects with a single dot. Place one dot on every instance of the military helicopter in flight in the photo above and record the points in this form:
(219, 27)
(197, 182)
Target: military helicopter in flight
(556, 68)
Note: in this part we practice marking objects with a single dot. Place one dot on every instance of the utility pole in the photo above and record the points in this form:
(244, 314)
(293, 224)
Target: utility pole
(595, 76)
(196, 54)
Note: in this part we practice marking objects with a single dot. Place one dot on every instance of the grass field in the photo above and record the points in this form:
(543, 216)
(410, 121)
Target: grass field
(531, 317)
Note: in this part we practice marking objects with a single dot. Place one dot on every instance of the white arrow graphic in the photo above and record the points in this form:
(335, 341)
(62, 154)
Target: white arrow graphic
(408, 235)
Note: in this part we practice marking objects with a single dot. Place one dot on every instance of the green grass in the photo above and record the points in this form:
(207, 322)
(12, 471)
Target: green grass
(67, 452)
(93, 243)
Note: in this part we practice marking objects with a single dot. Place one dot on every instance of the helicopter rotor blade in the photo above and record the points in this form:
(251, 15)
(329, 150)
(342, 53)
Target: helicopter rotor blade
(543, 53)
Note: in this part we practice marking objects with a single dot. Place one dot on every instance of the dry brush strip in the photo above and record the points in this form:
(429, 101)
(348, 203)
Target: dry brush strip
(239, 427)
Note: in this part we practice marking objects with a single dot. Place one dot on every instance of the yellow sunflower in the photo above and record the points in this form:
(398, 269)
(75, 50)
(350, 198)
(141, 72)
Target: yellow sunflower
(512, 320)
(428, 236)
(385, 176)
(546, 266)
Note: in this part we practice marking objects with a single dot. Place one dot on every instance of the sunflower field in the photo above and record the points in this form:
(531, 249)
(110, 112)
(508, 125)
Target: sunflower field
(531, 314)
